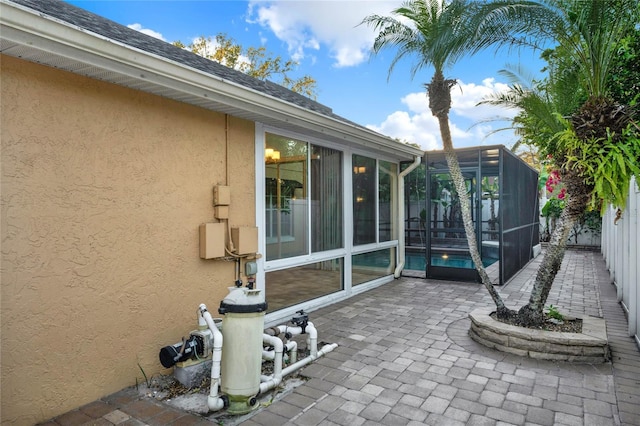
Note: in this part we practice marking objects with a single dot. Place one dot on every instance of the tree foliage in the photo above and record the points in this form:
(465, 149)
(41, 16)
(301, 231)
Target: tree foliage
(537, 120)
(574, 115)
(607, 165)
(256, 62)
(591, 86)
(625, 71)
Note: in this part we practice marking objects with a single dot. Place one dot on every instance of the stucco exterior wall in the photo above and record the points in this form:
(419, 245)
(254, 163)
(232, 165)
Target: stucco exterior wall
(102, 191)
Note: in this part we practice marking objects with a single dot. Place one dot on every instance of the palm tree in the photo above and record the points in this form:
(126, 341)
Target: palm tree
(438, 34)
(591, 145)
(596, 148)
(540, 107)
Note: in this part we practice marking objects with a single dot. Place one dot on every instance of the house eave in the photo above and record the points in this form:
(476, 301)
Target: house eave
(40, 38)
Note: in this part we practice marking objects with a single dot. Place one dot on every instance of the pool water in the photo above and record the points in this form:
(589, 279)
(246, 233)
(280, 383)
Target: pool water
(417, 262)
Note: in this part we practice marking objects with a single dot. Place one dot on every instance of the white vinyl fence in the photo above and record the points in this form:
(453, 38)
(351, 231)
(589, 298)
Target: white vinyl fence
(620, 238)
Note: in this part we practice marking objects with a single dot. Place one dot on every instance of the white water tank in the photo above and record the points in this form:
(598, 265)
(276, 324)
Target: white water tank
(241, 365)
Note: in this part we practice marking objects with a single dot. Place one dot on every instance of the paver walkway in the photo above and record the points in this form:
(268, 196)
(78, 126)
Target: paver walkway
(404, 358)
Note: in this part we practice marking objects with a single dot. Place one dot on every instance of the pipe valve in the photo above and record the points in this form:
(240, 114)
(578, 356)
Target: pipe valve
(301, 320)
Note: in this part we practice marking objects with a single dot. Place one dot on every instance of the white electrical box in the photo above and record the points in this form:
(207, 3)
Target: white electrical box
(245, 239)
(212, 240)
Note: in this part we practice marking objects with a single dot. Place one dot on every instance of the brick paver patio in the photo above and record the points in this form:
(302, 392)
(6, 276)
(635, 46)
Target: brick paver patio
(405, 358)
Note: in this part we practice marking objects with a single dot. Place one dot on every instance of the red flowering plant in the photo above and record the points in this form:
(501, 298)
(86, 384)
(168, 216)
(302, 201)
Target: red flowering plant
(554, 185)
(553, 207)
(589, 221)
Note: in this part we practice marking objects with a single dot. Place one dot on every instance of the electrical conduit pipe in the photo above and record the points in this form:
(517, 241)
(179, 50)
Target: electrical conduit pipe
(401, 255)
(214, 402)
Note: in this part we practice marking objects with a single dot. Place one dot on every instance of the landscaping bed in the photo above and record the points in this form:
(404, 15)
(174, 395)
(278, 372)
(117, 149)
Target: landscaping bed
(590, 345)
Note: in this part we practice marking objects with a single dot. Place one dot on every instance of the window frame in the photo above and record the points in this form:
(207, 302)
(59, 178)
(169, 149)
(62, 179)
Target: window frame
(348, 249)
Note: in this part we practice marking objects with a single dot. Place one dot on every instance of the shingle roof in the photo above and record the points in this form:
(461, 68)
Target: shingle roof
(58, 34)
(104, 27)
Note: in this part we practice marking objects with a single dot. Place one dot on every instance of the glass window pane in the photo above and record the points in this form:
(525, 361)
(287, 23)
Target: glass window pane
(415, 197)
(490, 225)
(296, 285)
(386, 201)
(372, 265)
(286, 204)
(447, 228)
(364, 200)
(326, 199)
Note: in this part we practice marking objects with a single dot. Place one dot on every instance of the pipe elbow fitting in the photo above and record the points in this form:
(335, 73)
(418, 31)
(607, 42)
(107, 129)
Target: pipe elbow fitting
(270, 384)
(215, 403)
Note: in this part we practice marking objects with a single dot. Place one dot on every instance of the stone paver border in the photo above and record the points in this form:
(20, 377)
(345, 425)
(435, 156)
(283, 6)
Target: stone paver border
(590, 346)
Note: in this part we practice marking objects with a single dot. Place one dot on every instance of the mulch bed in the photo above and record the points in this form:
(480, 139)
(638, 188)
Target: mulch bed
(566, 326)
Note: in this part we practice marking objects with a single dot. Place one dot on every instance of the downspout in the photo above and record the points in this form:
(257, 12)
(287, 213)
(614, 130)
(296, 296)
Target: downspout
(401, 255)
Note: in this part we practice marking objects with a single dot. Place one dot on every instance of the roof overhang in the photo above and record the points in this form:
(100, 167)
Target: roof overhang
(32, 36)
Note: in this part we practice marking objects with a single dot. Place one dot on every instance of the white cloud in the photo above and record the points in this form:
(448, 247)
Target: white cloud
(417, 102)
(306, 25)
(465, 98)
(417, 128)
(152, 33)
(418, 125)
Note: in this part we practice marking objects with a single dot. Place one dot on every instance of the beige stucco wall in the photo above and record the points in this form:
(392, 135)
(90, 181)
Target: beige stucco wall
(103, 189)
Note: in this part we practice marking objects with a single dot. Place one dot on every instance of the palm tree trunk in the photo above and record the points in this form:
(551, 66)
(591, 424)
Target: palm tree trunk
(577, 198)
(440, 102)
(532, 313)
(465, 206)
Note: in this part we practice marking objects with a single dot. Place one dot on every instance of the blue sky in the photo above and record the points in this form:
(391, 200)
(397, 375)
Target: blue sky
(325, 38)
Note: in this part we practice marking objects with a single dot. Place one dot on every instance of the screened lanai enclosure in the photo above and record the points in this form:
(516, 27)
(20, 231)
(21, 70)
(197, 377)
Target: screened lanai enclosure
(503, 192)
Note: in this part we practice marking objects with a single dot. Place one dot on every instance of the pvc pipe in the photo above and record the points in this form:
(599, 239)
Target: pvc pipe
(401, 251)
(304, 361)
(272, 382)
(214, 402)
(290, 346)
(310, 329)
(278, 348)
(268, 355)
(276, 355)
(275, 379)
(202, 323)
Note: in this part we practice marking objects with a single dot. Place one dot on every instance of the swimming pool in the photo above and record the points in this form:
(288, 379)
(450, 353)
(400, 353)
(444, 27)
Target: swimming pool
(418, 262)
